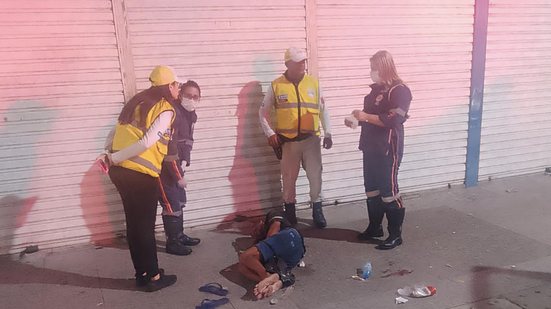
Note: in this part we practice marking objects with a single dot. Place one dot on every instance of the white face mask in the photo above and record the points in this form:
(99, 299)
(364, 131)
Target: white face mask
(188, 104)
(375, 76)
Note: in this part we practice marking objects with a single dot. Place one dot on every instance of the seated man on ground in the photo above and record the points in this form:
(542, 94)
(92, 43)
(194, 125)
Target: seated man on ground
(269, 262)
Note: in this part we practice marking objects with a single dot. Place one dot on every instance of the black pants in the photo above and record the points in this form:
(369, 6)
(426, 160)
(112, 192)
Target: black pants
(139, 193)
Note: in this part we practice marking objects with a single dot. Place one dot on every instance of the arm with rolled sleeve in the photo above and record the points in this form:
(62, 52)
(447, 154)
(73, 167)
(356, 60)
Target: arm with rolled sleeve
(400, 99)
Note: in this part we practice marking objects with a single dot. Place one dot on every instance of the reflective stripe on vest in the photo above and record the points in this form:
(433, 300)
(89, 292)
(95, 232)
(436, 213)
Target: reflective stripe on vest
(148, 162)
(289, 104)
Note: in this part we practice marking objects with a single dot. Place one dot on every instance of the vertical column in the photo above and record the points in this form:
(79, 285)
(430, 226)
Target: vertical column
(126, 60)
(477, 91)
(312, 36)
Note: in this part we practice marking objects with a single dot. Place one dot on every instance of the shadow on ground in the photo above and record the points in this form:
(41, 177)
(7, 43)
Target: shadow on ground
(16, 272)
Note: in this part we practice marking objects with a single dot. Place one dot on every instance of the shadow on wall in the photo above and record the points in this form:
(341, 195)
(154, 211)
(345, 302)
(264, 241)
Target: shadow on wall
(13, 215)
(254, 176)
(23, 126)
(101, 208)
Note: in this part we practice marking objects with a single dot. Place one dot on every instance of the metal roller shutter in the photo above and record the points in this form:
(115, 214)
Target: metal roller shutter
(431, 43)
(516, 131)
(60, 86)
(233, 49)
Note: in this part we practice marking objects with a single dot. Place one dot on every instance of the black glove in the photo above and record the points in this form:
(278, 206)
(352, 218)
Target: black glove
(327, 142)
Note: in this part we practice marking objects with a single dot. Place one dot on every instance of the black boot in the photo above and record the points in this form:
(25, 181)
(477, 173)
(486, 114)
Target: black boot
(317, 215)
(375, 212)
(290, 213)
(188, 241)
(173, 229)
(395, 216)
(185, 239)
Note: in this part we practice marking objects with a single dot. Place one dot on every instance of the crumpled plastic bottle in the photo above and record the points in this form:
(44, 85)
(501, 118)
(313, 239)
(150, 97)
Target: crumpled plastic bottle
(417, 291)
(366, 270)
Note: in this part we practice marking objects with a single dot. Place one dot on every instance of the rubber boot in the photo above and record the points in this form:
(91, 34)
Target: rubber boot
(188, 240)
(395, 216)
(185, 239)
(173, 229)
(290, 213)
(317, 215)
(375, 212)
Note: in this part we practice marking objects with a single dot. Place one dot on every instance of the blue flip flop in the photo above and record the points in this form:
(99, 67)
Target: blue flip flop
(214, 288)
(212, 303)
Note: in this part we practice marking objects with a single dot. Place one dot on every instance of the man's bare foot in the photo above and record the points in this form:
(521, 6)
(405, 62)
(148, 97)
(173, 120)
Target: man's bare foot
(274, 287)
(268, 286)
(272, 278)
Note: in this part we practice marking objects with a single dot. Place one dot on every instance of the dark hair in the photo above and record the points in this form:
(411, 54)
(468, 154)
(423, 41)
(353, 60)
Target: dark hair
(146, 100)
(190, 83)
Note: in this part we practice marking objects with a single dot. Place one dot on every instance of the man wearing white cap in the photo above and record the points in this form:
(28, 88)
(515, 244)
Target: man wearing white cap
(299, 111)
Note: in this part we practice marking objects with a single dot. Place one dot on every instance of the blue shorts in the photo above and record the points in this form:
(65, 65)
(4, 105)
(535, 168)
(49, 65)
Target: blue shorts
(287, 246)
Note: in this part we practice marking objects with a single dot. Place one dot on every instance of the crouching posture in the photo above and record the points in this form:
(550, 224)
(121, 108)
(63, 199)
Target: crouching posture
(270, 261)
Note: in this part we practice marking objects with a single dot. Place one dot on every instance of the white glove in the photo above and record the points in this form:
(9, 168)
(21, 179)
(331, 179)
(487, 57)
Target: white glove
(184, 165)
(351, 122)
(182, 183)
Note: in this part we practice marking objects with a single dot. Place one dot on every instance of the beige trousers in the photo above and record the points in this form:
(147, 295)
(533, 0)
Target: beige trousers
(307, 152)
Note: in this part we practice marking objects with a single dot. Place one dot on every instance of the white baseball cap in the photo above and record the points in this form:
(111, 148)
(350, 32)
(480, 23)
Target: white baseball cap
(294, 54)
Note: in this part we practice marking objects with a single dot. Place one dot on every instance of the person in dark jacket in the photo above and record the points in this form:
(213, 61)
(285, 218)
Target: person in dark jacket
(173, 196)
(382, 143)
(278, 250)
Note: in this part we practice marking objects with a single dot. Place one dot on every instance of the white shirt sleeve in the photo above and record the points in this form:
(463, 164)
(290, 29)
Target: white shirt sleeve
(324, 117)
(265, 110)
(155, 132)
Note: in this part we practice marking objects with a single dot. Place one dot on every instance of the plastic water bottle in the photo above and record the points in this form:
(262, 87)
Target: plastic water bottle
(366, 270)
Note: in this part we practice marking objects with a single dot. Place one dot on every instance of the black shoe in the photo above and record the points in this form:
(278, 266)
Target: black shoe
(189, 241)
(317, 215)
(142, 280)
(390, 243)
(369, 233)
(161, 283)
(175, 247)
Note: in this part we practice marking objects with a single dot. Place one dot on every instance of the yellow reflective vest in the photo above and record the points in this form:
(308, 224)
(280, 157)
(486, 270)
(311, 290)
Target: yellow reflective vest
(297, 106)
(148, 162)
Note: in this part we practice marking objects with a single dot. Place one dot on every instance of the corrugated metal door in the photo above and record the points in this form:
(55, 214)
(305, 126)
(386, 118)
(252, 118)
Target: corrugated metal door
(431, 43)
(233, 49)
(516, 131)
(60, 86)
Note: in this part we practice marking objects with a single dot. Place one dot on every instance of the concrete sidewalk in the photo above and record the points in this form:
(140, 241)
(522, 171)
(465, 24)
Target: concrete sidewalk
(482, 247)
